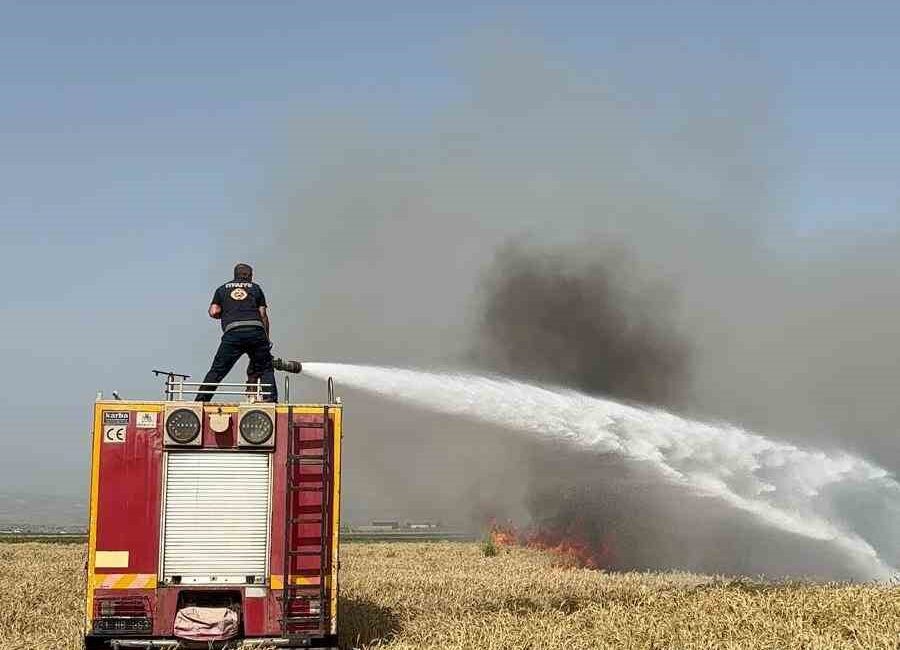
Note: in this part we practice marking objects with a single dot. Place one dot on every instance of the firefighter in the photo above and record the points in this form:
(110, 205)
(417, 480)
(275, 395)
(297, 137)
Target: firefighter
(241, 307)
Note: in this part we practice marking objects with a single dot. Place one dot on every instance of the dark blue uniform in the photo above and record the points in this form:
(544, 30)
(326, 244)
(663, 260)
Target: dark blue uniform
(243, 332)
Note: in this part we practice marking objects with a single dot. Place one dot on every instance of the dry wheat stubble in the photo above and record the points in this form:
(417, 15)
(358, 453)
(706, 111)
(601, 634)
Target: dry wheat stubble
(447, 595)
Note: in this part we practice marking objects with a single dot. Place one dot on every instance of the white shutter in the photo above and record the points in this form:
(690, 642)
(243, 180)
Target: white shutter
(216, 517)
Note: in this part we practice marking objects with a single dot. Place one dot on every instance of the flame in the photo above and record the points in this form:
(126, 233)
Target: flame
(572, 548)
(504, 535)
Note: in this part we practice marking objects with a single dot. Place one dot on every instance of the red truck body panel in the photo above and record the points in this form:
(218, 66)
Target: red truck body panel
(127, 513)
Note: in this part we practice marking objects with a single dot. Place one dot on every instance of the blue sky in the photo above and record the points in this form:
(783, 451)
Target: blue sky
(138, 141)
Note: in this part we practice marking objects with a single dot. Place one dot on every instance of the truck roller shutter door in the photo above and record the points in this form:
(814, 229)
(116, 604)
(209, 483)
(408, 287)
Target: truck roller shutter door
(216, 521)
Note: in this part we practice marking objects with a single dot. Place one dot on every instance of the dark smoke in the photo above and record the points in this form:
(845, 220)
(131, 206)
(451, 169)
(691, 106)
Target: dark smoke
(586, 323)
(584, 318)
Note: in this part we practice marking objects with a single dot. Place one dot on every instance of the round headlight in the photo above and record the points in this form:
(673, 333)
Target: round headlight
(256, 427)
(183, 426)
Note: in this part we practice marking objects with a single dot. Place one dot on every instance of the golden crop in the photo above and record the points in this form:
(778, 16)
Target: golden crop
(446, 595)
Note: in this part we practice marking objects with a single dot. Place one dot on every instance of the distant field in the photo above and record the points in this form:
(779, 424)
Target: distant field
(47, 538)
(379, 536)
(448, 595)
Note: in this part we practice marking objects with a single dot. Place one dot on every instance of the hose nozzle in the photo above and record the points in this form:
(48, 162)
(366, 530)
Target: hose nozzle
(287, 365)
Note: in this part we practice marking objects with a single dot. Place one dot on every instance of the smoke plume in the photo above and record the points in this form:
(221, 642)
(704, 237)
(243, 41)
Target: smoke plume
(391, 245)
(586, 323)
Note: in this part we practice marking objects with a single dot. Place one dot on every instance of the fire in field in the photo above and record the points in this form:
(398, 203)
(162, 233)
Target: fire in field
(455, 596)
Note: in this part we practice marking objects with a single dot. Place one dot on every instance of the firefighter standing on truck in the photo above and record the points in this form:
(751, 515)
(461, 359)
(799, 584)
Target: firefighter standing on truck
(241, 307)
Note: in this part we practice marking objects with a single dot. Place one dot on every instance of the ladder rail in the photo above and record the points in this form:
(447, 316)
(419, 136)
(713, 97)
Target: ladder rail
(325, 563)
(294, 487)
(288, 514)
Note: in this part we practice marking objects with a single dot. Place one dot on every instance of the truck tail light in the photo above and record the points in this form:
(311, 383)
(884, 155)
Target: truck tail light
(305, 606)
(125, 615)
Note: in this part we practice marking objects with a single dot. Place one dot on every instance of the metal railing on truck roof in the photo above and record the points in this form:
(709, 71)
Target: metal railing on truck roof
(177, 387)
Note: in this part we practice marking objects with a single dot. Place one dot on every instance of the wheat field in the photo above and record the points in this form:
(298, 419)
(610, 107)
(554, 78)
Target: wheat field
(448, 595)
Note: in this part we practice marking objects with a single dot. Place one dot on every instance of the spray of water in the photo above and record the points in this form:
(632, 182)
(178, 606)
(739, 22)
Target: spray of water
(780, 485)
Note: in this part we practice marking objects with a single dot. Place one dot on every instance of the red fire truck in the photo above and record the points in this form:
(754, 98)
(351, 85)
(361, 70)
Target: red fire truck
(219, 507)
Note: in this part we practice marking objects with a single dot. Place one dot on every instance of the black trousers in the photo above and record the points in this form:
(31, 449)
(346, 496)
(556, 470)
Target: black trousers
(251, 341)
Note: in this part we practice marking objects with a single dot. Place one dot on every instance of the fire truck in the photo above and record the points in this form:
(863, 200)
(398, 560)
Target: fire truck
(214, 523)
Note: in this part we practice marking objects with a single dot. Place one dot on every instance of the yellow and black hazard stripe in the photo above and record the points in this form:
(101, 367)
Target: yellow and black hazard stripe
(277, 581)
(125, 581)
